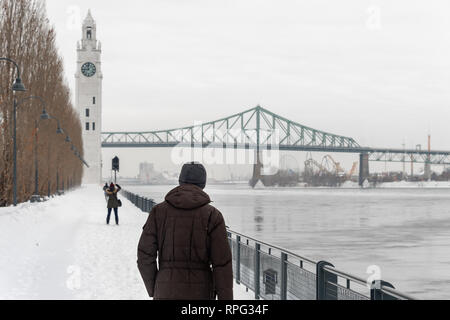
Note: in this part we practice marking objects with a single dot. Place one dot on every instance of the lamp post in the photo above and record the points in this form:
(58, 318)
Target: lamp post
(35, 197)
(16, 105)
(44, 116)
(16, 87)
(48, 170)
(59, 130)
(65, 185)
(57, 180)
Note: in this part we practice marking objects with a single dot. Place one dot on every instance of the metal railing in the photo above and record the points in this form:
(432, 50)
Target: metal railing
(143, 203)
(275, 273)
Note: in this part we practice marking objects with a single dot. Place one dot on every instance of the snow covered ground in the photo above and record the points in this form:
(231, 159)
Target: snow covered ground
(63, 249)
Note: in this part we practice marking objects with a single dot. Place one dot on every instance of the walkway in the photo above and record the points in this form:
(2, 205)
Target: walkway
(63, 249)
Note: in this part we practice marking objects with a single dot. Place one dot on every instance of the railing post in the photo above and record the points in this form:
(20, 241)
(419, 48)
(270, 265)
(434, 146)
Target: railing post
(284, 260)
(238, 259)
(257, 271)
(376, 291)
(326, 282)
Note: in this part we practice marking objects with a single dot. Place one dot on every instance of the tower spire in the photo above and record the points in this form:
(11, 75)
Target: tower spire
(89, 31)
(89, 16)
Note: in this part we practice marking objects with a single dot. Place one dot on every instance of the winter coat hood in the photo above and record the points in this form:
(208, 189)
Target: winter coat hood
(187, 197)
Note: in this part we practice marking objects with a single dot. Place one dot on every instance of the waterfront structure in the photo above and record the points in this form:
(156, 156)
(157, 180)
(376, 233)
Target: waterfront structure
(88, 98)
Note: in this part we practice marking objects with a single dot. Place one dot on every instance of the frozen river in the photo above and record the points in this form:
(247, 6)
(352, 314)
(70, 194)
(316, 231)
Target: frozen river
(406, 232)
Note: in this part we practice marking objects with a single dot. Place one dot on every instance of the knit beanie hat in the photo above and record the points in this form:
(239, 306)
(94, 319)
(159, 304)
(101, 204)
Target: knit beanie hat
(193, 173)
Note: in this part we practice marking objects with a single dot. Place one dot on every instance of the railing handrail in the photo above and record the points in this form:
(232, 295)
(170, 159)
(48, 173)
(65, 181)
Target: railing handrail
(361, 281)
(397, 294)
(272, 246)
(345, 275)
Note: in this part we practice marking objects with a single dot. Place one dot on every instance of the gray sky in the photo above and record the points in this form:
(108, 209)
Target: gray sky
(378, 71)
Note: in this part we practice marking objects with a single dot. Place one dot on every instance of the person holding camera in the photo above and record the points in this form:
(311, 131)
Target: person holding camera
(113, 202)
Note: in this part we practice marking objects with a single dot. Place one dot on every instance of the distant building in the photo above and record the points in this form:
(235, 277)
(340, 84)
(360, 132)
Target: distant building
(147, 173)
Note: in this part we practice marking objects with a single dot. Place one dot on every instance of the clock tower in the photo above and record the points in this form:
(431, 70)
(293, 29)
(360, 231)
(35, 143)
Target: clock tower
(88, 98)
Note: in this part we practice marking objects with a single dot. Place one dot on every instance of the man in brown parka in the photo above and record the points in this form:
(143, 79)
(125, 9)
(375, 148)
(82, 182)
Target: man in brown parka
(188, 237)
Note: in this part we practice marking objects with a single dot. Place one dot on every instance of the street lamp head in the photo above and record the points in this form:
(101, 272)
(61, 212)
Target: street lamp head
(68, 139)
(59, 130)
(45, 115)
(18, 86)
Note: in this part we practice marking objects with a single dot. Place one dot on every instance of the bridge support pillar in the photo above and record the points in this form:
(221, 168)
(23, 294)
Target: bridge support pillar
(363, 168)
(427, 171)
(257, 169)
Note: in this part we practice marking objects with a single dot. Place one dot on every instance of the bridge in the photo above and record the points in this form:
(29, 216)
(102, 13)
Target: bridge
(260, 129)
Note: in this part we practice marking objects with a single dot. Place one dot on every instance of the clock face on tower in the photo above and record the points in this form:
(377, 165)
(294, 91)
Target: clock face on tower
(88, 69)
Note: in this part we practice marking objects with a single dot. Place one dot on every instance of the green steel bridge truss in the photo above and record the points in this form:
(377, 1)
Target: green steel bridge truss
(415, 156)
(260, 129)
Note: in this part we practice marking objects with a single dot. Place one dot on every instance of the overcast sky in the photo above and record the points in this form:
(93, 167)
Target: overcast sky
(378, 71)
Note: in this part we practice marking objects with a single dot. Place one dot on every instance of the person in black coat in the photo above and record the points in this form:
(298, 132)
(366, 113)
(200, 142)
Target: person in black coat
(184, 253)
(113, 202)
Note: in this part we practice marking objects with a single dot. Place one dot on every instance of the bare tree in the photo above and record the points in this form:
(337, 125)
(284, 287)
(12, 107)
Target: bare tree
(27, 37)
